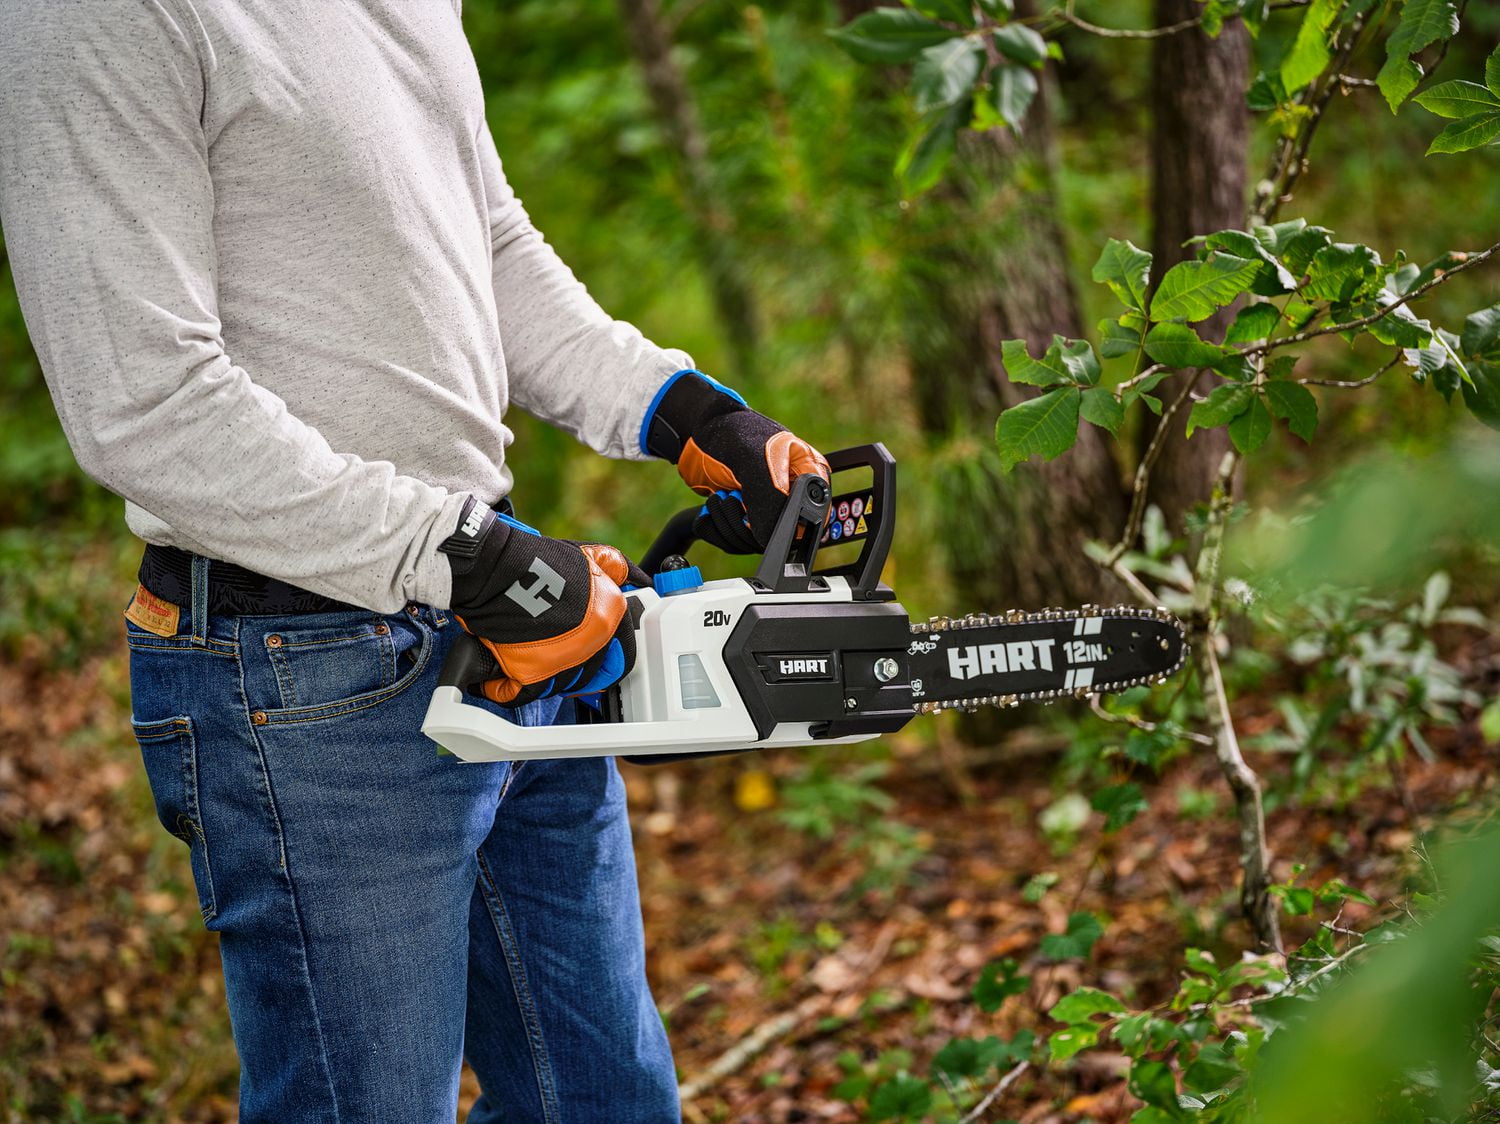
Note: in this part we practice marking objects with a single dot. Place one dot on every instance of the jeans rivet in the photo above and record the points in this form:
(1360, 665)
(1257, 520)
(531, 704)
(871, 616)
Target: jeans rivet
(413, 610)
(259, 718)
(273, 641)
(382, 629)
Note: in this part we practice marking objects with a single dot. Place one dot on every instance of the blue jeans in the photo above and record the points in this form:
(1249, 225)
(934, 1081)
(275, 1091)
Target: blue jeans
(384, 911)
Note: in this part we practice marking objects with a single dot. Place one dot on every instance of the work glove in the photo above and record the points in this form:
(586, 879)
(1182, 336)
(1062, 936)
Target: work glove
(741, 461)
(550, 611)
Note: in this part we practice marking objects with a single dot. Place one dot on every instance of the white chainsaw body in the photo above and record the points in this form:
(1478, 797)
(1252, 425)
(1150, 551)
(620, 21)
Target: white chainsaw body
(678, 698)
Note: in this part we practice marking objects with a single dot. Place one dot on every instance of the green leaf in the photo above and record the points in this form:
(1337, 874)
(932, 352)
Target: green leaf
(1117, 338)
(1153, 1083)
(1120, 804)
(1298, 901)
(1065, 361)
(955, 11)
(900, 1098)
(1254, 322)
(889, 35)
(1069, 1041)
(1083, 930)
(1309, 54)
(1481, 334)
(1153, 1115)
(1397, 79)
(1273, 278)
(1423, 22)
(1461, 136)
(1400, 328)
(1299, 250)
(1012, 90)
(1082, 1005)
(1177, 345)
(1296, 404)
(1100, 407)
(1482, 393)
(998, 982)
(1492, 72)
(945, 73)
(921, 163)
(1489, 722)
(1250, 430)
(1458, 99)
(1019, 43)
(1143, 1033)
(1265, 92)
(1212, 1069)
(1000, 9)
(1195, 290)
(1126, 269)
(968, 1057)
(1276, 236)
(1339, 271)
(1045, 426)
(1222, 406)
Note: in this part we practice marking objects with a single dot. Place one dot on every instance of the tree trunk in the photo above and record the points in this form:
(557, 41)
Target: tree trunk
(1199, 150)
(986, 262)
(993, 267)
(677, 115)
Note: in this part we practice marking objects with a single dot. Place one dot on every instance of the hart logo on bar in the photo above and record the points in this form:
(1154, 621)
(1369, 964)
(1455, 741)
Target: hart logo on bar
(991, 659)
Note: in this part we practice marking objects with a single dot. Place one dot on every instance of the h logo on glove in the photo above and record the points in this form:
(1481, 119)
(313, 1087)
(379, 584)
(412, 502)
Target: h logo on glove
(543, 593)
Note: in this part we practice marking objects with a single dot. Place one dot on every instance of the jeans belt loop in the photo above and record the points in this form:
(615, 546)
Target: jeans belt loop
(199, 609)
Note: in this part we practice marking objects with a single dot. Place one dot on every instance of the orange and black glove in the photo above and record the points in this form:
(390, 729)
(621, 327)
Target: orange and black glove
(551, 612)
(741, 461)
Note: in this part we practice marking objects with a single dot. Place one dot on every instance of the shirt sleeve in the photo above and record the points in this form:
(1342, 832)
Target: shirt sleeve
(107, 205)
(568, 362)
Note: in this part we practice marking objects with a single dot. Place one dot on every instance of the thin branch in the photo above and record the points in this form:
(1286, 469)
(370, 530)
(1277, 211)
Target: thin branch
(1352, 384)
(1136, 380)
(1067, 13)
(1143, 477)
(754, 1044)
(1141, 724)
(994, 1094)
(1364, 321)
(1244, 785)
(1138, 587)
(1251, 1000)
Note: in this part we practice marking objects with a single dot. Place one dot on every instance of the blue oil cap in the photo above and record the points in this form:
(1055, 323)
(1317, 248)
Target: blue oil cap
(668, 582)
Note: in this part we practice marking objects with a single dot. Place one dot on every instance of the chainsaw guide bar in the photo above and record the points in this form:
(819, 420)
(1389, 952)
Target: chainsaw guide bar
(1053, 654)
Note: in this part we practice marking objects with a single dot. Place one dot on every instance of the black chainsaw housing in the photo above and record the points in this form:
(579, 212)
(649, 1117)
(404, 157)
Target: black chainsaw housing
(851, 638)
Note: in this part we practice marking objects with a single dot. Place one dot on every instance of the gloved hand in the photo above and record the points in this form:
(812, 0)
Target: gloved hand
(550, 611)
(742, 461)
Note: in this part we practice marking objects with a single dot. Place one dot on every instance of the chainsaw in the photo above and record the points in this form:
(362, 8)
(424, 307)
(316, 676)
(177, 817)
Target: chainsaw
(798, 656)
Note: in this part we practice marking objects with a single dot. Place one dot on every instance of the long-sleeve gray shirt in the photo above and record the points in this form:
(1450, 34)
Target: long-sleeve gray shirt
(279, 286)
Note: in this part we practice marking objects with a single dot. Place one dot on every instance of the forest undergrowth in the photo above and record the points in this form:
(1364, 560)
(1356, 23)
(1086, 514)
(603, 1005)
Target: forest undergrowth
(809, 915)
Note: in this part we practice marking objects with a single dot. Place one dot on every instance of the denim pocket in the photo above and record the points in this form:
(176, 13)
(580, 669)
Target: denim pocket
(337, 668)
(319, 666)
(171, 755)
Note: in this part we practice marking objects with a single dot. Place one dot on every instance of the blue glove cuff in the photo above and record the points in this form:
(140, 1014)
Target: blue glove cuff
(661, 393)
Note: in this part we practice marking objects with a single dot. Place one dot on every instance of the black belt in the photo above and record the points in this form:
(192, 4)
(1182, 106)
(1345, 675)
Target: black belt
(235, 591)
(232, 590)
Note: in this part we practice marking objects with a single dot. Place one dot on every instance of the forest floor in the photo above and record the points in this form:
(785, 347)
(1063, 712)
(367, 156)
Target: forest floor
(113, 1004)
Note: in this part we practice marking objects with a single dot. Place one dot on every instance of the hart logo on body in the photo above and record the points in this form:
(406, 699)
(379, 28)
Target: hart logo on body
(803, 667)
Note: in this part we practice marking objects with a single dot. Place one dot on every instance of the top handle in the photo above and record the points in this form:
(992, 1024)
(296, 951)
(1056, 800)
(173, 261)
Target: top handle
(786, 549)
(788, 561)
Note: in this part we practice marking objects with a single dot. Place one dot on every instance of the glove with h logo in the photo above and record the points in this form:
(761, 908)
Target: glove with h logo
(551, 612)
(741, 461)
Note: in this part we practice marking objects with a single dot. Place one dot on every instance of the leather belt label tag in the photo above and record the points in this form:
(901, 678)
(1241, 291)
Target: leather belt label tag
(152, 613)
